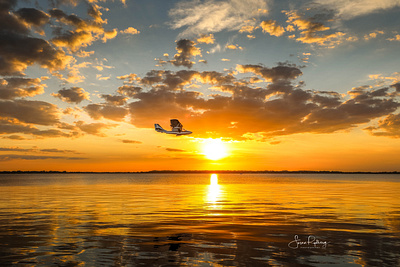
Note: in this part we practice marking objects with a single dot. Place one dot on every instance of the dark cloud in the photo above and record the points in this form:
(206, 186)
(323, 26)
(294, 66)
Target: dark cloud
(186, 50)
(174, 149)
(72, 95)
(36, 112)
(94, 128)
(35, 157)
(8, 126)
(117, 100)
(129, 90)
(33, 16)
(280, 107)
(48, 150)
(11, 88)
(84, 32)
(281, 72)
(125, 141)
(98, 111)
(17, 52)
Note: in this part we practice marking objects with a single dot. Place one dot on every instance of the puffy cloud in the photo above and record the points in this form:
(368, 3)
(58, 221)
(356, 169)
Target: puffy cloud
(94, 128)
(129, 90)
(72, 95)
(117, 100)
(389, 126)
(36, 112)
(215, 16)
(130, 30)
(33, 16)
(186, 50)
(373, 35)
(85, 32)
(395, 38)
(234, 47)
(207, 39)
(98, 111)
(281, 107)
(351, 9)
(17, 52)
(281, 72)
(271, 27)
(11, 88)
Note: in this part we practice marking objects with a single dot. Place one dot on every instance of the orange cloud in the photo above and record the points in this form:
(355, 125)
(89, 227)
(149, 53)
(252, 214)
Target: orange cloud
(11, 88)
(207, 39)
(271, 27)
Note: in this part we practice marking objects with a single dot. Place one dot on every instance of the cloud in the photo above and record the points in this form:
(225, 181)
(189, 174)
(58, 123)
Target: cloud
(125, 141)
(98, 111)
(395, 38)
(186, 50)
(174, 150)
(17, 52)
(18, 49)
(271, 27)
(214, 16)
(117, 100)
(33, 17)
(84, 32)
(11, 88)
(35, 149)
(373, 35)
(11, 126)
(281, 72)
(311, 28)
(35, 157)
(207, 39)
(351, 9)
(279, 107)
(130, 30)
(94, 128)
(389, 126)
(129, 90)
(36, 112)
(72, 95)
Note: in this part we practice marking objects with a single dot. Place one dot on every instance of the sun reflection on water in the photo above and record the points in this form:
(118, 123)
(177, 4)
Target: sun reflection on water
(214, 191)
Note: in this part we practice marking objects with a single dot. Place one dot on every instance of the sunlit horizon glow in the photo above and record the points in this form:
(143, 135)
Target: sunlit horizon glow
(214, 149)
(283, 85)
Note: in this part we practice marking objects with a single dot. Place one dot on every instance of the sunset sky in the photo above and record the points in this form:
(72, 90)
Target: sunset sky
(263, 85)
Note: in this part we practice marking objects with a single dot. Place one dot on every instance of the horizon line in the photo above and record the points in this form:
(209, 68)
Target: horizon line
(212, 171)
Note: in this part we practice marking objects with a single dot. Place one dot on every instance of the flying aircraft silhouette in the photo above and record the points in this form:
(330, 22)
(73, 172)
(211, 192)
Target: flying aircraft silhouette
(176, 128)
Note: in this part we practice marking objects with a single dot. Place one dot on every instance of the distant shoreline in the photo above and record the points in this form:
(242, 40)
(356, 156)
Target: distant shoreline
(209, 171)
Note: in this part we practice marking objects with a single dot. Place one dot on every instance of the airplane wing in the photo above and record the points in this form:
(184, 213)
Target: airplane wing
(175, 124)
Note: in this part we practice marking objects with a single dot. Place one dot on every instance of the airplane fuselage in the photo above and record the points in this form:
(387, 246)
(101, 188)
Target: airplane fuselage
(178, 133)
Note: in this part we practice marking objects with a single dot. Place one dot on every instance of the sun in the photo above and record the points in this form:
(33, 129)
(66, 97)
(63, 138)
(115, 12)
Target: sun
(214, 149)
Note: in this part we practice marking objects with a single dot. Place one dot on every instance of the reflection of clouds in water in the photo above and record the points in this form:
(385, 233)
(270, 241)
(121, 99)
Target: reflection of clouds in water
(160, 220)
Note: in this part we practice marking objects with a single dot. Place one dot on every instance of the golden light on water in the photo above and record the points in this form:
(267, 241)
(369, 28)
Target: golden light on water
(214, 190)
(214, 149)
(214, 179)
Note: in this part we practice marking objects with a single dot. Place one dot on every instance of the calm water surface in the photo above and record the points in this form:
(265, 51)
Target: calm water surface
(199, 220)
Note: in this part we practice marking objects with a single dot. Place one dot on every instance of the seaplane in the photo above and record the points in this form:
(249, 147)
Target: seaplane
(176, 128)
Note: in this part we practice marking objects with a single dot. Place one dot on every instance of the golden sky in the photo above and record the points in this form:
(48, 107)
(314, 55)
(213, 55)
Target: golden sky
(263, 85)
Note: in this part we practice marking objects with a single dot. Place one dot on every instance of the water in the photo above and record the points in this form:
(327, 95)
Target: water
(199, 220)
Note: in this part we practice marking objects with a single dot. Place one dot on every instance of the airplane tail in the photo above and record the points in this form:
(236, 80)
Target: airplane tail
(158, 128)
